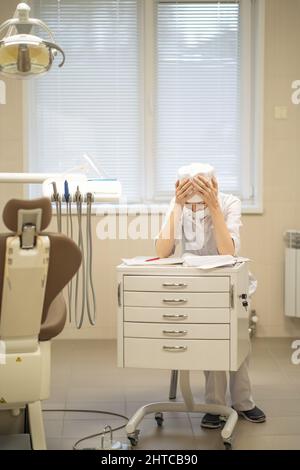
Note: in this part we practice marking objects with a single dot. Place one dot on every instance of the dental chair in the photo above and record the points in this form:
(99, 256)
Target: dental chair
(35, 266)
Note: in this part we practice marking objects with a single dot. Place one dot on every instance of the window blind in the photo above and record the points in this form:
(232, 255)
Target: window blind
(198, 91)
(91, 105)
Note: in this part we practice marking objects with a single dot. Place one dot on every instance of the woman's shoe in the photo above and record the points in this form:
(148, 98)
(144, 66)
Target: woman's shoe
(210, 421)
(254, 416)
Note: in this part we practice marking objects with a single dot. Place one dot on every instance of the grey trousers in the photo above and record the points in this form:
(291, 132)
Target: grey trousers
(239, 385)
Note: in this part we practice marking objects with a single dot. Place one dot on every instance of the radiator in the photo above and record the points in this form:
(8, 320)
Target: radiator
(292, 274)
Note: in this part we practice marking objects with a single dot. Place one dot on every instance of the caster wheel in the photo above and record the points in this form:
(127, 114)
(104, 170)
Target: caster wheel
(133, 441)
(159, 418)
(134, 438)
(227, 446)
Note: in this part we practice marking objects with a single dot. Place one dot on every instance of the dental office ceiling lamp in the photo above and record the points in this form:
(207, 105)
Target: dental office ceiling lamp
(24, 55)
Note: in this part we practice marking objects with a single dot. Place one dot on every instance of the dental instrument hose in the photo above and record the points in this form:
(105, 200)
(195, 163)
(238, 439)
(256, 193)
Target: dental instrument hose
(57, 200)
(89, 286)
(79, 319)
(68, 200)
(88, 299)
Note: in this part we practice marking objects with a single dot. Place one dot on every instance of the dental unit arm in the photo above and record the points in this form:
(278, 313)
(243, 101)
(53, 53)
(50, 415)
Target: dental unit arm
(104, 189)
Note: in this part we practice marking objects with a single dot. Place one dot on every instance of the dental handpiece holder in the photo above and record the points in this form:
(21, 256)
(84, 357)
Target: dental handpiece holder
(73, 202)
(102, 190)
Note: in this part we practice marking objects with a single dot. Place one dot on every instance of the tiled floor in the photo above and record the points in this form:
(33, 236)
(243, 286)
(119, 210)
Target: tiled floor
(85, 376)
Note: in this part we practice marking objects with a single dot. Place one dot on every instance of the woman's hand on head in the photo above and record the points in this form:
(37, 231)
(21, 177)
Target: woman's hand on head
(208, 190)
(184, 190)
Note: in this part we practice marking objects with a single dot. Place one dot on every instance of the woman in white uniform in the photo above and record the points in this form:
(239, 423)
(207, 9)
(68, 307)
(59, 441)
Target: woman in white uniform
(209, 228)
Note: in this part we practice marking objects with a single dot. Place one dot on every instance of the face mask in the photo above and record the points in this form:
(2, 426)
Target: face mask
(193, 226)
(199, 206)
(200, 215)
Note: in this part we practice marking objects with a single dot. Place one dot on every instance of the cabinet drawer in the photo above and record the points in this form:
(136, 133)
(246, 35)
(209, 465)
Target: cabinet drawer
(176, 354)
(179, 284)
(172, 299)
(185, 315)
(173, 330)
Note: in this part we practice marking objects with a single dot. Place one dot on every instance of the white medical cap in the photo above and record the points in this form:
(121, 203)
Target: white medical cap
(192, 170)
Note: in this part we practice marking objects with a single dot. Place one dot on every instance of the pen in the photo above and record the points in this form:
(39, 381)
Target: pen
(152, 259)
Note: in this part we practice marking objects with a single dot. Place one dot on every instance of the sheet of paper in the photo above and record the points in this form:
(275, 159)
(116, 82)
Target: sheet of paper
(211, 262)
(142, 261)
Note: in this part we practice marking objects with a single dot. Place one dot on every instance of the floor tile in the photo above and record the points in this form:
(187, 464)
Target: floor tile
(174, 434)
(53, 428)
(82, 428)
(245, 442)
(85, 376)
(54, 443)
(284, 442)
(114, 407)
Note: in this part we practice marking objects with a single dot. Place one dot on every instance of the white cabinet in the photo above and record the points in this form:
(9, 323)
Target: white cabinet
(175, 317)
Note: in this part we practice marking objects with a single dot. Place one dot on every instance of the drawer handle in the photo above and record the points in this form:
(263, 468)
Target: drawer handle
(174, 301)
(175, 332)
(175, 348)
(174, 284)
(175, 316)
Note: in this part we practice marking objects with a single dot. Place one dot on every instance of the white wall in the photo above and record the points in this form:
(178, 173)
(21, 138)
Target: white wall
(262, 235)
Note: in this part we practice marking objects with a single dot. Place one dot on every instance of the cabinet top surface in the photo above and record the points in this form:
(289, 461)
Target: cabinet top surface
(176, 270)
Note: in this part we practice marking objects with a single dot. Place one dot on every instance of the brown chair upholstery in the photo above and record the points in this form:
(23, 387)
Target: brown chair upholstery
(64, 262)
(55, 319)
(10, 211)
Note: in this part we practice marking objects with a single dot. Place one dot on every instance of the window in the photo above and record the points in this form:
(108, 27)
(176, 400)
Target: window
(198, 76)
(91, 105)
(149, 86)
